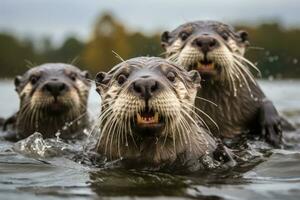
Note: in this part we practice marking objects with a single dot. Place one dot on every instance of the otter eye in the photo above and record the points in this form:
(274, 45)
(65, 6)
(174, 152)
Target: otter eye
(171, 76)
(73, 76)
(121, 79)
(33, 79)
(184, 35)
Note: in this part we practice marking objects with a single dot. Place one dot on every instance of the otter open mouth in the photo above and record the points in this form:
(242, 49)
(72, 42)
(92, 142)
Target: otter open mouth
(149, 123)
(147, 118)
(206, 68)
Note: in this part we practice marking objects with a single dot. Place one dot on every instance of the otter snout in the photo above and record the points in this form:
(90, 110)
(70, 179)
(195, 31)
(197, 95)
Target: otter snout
(55, 88)
(205, 43)
(146, 87)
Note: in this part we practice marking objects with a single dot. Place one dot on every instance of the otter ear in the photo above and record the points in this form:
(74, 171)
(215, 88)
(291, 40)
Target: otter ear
(17, 81)
(195, 77)
(102, 79)
(165, 36)
(244, 36)
(86, 74)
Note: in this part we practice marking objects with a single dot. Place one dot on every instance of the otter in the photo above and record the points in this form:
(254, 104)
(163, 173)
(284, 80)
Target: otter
(148, 118)
(217, 51)
(53, 99)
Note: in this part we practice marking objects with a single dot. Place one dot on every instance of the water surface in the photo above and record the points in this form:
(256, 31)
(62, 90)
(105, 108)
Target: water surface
(277, 176)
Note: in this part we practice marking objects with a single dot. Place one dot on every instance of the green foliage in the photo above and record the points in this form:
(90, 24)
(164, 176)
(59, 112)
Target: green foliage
(13, 55)
(108, 35)
(275, 50)
(277, 55)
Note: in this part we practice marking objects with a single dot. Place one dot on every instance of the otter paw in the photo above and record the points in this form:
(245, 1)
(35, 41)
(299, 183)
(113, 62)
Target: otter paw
(273, 133)
(224, 155)
(270, 123)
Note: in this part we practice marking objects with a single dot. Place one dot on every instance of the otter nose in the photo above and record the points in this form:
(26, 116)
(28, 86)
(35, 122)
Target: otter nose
(145, 87)
(205, 43)
(55, 88)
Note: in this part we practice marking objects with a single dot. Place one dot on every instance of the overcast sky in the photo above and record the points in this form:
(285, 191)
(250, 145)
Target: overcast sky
(59, 18)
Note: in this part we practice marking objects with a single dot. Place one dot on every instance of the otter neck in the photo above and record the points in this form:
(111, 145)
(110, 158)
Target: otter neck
(216, 85)
(232, 113)
(156, 150)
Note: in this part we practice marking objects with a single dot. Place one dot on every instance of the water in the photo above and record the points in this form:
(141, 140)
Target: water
(59, 177)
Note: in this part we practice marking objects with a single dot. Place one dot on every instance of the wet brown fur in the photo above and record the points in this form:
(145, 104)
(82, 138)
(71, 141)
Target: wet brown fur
(34, 114)
(151, 151)
(241, 105)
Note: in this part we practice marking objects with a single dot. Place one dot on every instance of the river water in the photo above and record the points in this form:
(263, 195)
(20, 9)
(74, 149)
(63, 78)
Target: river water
(276, 177)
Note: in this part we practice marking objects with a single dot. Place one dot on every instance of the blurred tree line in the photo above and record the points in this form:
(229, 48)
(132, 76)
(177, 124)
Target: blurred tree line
(273, 48)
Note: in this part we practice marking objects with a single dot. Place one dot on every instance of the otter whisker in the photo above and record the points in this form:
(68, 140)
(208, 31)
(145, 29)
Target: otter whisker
(116, 133)
(110, 136)
(189, 116)
(190, 108)
(118, 56)
(166, 130)
(101, 120)
(204, 99)
(245, 70)
(179, 130)
(248, 62)
(176, 121)
(245, 80)
(78, 118)
(75, 60)
(29, 64)
(127, 127)
(183, 124)
(255, 48)
(188, 127)
(32, 116)
(121, 131)
(116, 127)
(179, 133)
(174, 140)
(112, 120)
(173, 56)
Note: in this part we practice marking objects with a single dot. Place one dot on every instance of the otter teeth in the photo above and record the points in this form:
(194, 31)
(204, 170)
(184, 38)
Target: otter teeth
(147, 120)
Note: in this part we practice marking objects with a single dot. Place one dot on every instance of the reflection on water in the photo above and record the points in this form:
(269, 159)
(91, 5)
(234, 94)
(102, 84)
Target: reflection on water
(49, 172)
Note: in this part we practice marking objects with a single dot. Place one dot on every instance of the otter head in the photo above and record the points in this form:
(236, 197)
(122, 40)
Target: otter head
(50, 96)
(212, 48)
(147, 110)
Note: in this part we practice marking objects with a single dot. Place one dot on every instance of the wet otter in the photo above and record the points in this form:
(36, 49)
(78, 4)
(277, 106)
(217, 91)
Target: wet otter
(148, 117)
(51, 96)
(216, 50)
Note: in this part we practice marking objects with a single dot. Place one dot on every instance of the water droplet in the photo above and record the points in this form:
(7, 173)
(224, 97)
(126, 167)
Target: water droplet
(295, 61)
(86, 132)
(271, 78)
(57, 135)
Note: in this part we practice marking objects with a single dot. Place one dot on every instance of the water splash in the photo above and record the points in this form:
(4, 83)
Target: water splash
(37, 147)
